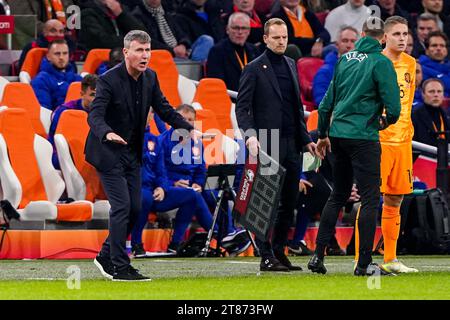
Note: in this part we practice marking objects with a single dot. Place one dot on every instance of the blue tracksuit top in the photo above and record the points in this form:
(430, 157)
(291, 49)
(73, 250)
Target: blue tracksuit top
(194, 170)
(153, 171)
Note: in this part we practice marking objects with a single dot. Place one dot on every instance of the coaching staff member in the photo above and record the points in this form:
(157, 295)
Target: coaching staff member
(114, 145)
(269, 99)
(364, 84)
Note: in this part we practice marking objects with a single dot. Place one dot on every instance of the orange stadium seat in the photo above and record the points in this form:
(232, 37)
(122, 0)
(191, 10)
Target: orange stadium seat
(307, 69)
(311, 123)
(162, 63)
(212, 95)
(31, 182)
(31, 64)
(21, 95)
(74, 91)
(94, 59)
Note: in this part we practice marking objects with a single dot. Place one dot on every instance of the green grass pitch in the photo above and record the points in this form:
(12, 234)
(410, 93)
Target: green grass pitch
(222, 279)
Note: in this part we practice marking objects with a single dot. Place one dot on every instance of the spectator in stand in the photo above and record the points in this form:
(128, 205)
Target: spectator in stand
(410, 43)
(304, 29)
(354, 13)
(88, 86)
(105, 23)
(201, 21)
(390, 8)
(431, 117)
(228, 57)
(426, 23)
(345, 43)
(55, 75)
(115, 57)
(53, 30)
(435, 8)
(256, 21)
(418, 100)
(435, 63)
(162, 28)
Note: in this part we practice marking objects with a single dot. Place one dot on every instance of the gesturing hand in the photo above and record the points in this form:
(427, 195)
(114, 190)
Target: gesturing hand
(111, 136)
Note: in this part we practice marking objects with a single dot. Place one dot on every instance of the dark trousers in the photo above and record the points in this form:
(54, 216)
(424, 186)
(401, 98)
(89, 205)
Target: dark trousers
(290, 159)
(359, 160)
(122, 185)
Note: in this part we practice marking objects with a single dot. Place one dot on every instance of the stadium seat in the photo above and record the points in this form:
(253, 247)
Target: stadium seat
(28, 179)
(212, 95)
(74, 91)
(307, 69)
(31, 64)
(82, 181)
(313, 118)
(94, 59)
(322, 16)
(21, 95)
(3, 83)
(177, 88)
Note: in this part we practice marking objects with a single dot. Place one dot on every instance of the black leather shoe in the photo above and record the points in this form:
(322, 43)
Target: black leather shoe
(372, 269)
(129, 274)
(315, 264)
(285, 262)
(272, 264)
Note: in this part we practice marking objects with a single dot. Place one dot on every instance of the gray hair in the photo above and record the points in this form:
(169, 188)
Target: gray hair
(344, 28)
(138, 35)
(237, 15)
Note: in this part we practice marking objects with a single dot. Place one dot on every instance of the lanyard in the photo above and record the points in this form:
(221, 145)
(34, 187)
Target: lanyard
(442, 136)
(240, 61)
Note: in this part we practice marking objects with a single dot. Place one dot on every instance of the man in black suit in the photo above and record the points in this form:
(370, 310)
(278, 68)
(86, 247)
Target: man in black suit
(228, 57)
(269, 99)
(117, 122)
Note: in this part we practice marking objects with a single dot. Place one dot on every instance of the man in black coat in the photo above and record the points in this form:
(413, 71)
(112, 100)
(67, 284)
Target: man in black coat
(269, 100)
(227, 58)
(117, 122)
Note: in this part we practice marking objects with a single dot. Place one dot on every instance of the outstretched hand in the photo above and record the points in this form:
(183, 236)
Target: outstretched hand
(323, 145)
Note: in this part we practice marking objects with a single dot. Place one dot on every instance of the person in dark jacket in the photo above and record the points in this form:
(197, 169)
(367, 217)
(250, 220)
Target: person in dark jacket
(162, 28)
(200, 20)
(55, 75)
(345, 43)
(228, 57)
(304, 29)
(430, 117)
(104, 24)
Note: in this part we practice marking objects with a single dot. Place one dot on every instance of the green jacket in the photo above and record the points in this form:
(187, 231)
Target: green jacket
(364, 83)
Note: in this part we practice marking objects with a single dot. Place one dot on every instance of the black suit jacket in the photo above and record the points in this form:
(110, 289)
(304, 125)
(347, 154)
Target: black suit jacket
(259, 100)
(112, 111)
(223, 64)
(423, 125)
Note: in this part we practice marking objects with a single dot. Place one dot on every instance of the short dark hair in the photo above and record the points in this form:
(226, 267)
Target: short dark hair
(271, 22)
(394, 20)
(89, 81)
(373, 27)
(426, 82)
(426, 17)
(58, 41)
(435, 34)
(185, 108)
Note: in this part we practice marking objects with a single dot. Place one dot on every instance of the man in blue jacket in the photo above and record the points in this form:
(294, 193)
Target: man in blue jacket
(188, 170)
(435, 63)
(55, 75)
(345, 43)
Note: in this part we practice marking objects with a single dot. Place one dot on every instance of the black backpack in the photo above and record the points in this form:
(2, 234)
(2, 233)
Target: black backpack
(425, 224)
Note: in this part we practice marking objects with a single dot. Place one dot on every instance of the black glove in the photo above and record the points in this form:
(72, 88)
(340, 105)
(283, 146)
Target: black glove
(383, 124)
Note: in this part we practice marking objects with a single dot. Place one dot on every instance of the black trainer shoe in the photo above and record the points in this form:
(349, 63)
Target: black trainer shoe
(105, 266)
(272, 264)
(129, 274)
(316, 265)
(335, 251)
(372, 269)
(299, 250)
(285, 262)
(138, 250)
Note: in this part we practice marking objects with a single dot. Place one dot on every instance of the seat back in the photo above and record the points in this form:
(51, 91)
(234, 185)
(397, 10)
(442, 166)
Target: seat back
(74, 127)
(21, 95)
(17, 131)
(94, 59)
(3, 83)
(206, 122)
(312, 122)
(74, 91)
(307, 69)
(212, 95)
(31, 64)
(162, 63)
